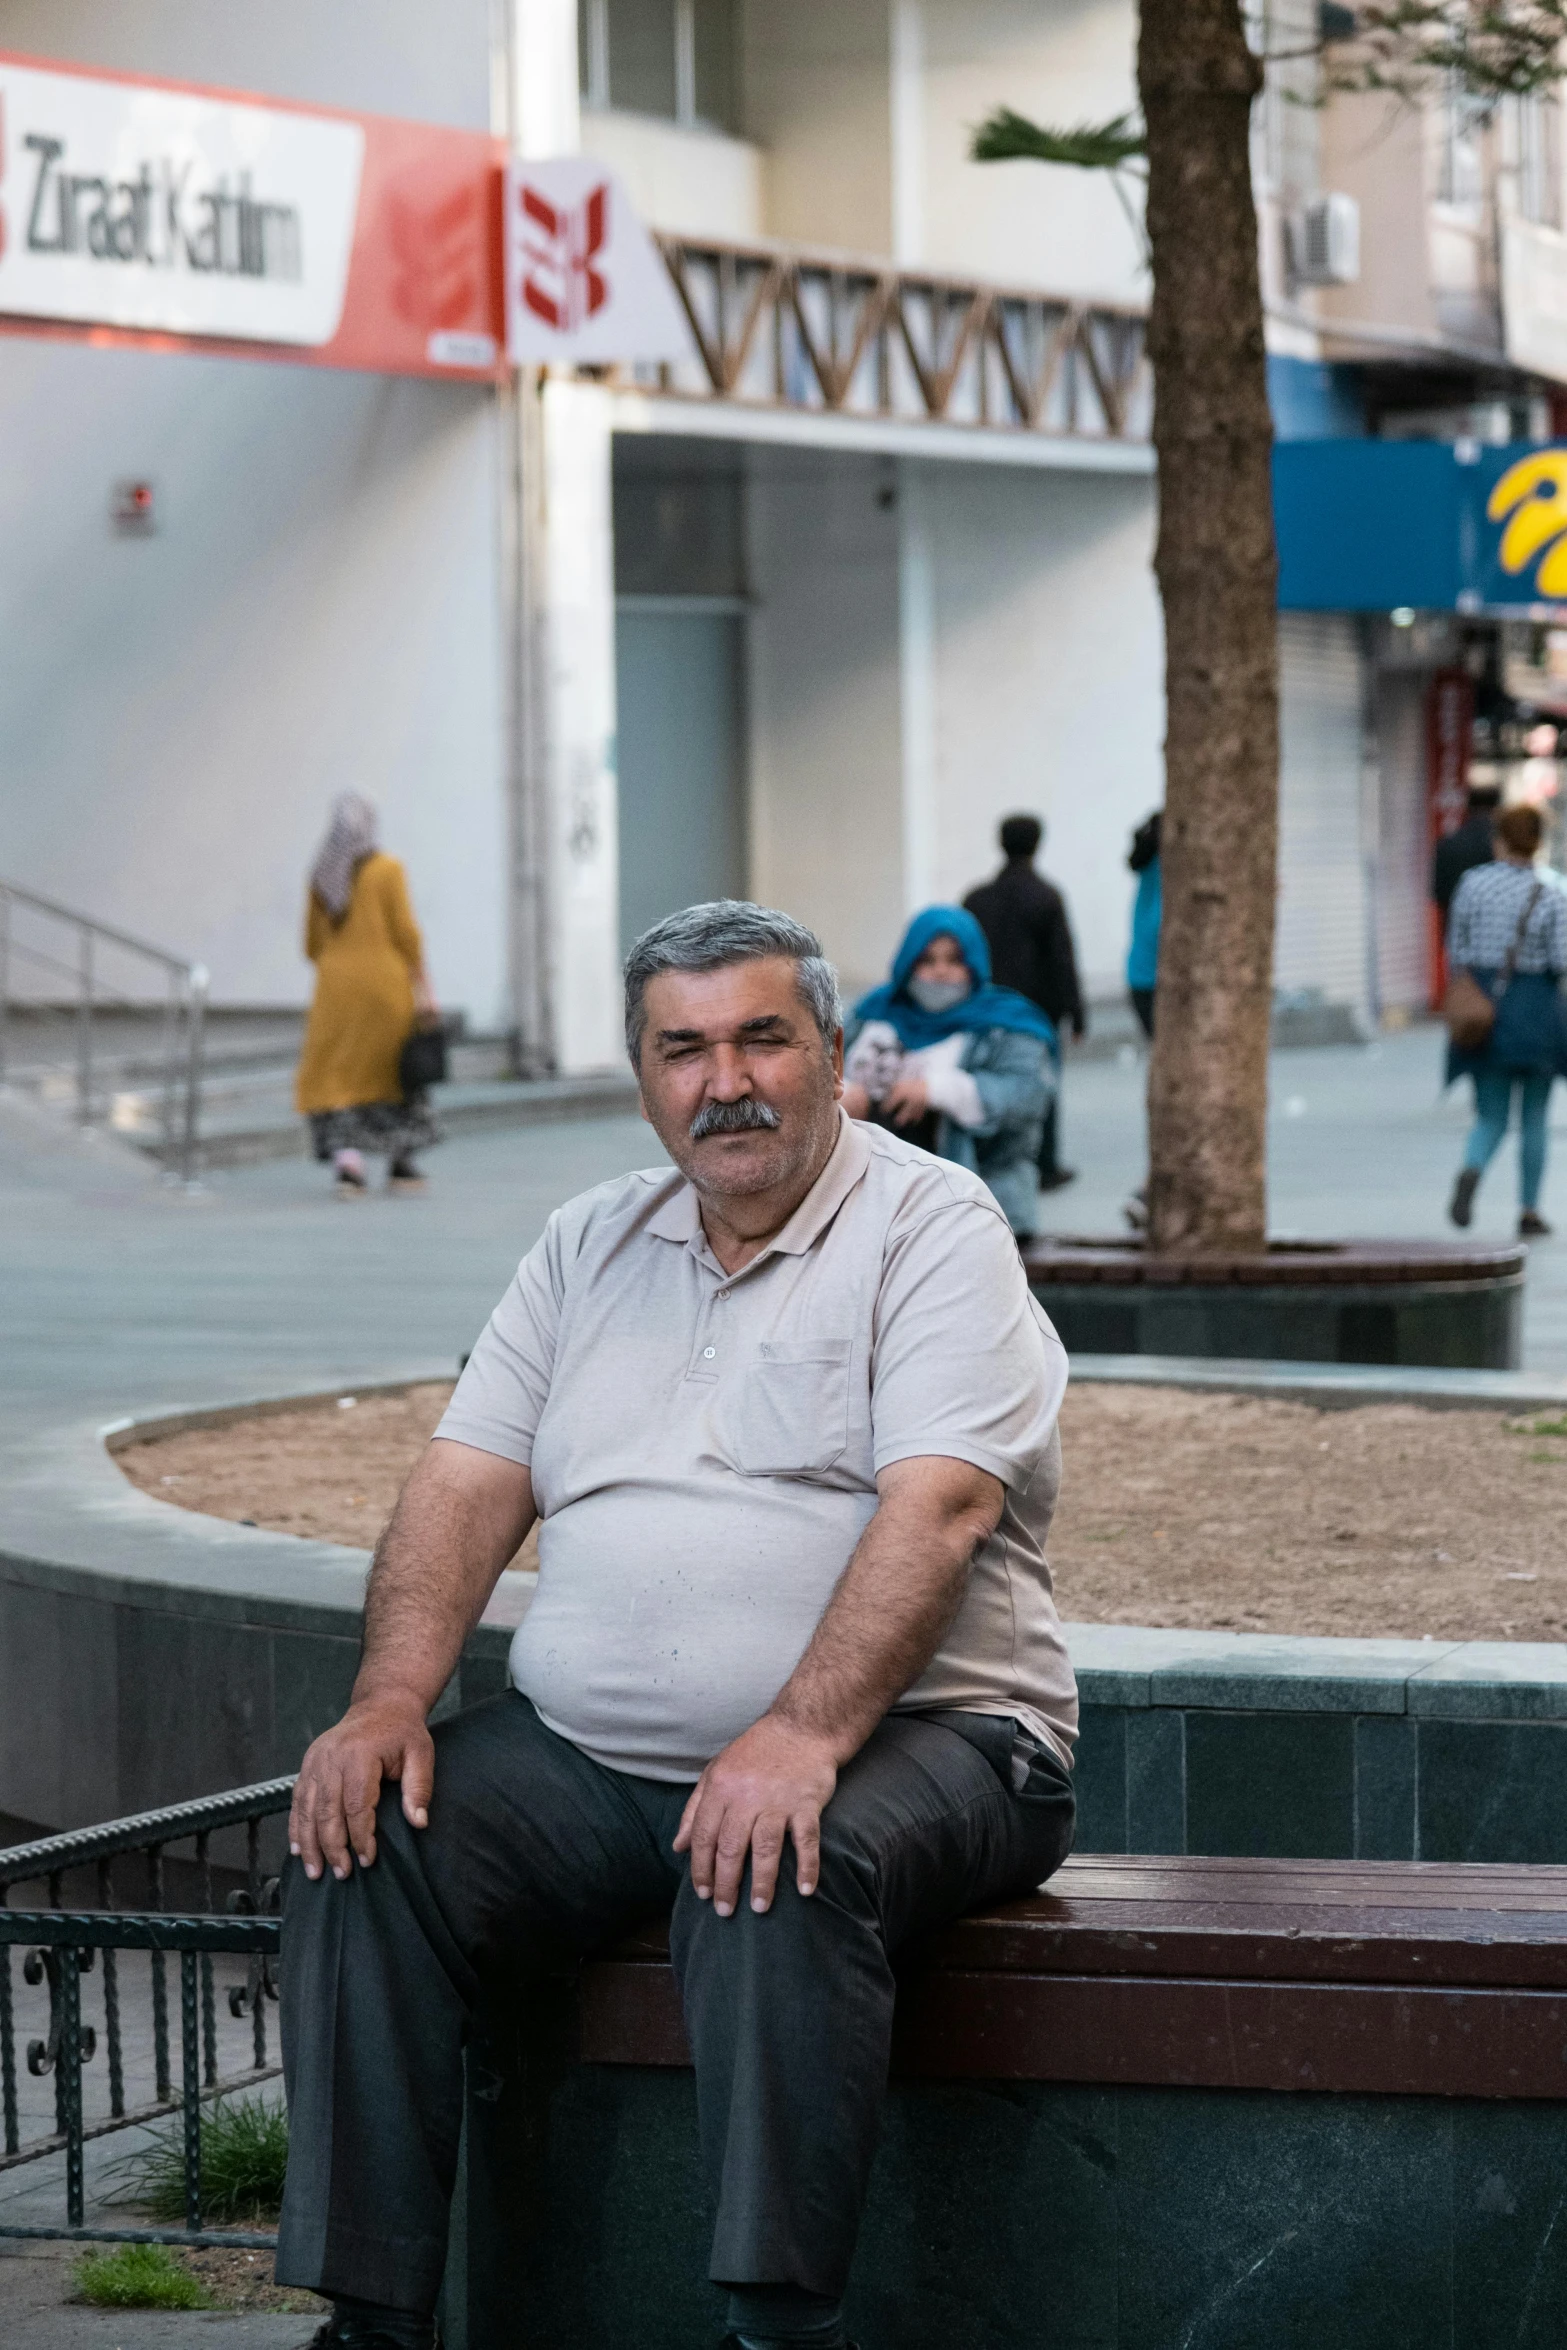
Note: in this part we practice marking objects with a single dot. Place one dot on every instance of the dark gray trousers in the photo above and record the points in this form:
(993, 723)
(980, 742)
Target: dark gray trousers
(536, 1856)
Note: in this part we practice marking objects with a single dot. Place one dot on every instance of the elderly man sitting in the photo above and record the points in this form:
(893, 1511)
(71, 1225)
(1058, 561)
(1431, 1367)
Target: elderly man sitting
(786, 1416)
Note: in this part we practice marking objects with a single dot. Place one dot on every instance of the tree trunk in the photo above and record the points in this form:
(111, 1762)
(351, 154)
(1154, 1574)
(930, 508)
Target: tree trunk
(1208, 1085)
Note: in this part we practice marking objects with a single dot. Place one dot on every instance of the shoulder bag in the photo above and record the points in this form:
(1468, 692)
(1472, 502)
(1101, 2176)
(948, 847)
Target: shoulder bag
(1468, 1013)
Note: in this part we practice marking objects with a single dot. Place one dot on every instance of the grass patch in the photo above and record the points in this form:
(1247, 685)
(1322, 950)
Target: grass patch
(1556, 1426)
(244, 2153)
(138, 2276)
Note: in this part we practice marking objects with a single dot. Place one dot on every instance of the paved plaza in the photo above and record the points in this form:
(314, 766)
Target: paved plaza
(124, 1294)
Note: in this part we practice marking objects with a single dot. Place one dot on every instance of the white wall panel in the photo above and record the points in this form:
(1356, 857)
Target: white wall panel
(826, 815)
(319, 606)
(1049, 692)
(690, 182)
(316, 611)
(399, 57)
(1027, 223)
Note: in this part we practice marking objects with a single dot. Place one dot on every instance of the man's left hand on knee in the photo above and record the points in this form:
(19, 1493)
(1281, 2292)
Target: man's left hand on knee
(770, 1784)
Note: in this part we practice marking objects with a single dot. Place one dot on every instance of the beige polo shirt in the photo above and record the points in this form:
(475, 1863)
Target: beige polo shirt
(704, 1446)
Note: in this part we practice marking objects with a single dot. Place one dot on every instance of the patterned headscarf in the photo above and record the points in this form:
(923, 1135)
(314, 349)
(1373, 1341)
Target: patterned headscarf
(350, 837)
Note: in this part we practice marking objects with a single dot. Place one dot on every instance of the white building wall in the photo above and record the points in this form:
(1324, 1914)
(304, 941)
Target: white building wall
(816, 82)
(932, 649)
(1049, 682)
(1028, 224)
(319, 608)
(316, 612)
(1322, 913)
(405, 57)
(824, 684)
(689, 182)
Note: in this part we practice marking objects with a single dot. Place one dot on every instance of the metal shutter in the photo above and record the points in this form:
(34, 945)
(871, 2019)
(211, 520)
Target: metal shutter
(1403, 919)
(1322, 929)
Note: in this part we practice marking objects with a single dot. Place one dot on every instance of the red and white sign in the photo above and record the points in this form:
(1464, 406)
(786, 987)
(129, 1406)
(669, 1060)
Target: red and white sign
(584, 281)
(138, 211)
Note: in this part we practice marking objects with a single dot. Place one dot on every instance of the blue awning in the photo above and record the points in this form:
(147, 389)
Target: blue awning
(1367, 526)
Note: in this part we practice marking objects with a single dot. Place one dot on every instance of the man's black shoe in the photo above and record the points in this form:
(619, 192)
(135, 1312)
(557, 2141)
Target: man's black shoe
(364, 2327)
(1058, 1178)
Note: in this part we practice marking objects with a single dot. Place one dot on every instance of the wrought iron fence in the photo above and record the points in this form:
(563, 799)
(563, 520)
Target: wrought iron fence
(63, 1944)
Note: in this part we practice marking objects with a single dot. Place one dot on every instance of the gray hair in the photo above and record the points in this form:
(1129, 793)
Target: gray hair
(729, 930)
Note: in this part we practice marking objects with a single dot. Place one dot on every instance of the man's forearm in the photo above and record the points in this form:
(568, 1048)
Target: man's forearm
(894, 1601)
(460, 1518)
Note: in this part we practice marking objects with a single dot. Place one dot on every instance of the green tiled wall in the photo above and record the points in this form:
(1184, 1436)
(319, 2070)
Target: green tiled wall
(1320, 1785)
(1024, 2217)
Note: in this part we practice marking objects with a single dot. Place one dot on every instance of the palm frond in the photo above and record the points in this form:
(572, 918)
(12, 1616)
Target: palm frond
(1006, 137)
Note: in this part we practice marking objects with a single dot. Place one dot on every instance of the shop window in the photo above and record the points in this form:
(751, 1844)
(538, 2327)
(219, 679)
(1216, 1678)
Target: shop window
(1461, 159)
(672, 58)
(1285, 129)
(1537, 145)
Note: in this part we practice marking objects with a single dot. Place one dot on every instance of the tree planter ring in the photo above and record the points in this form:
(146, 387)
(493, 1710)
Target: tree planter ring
(1355, 1301)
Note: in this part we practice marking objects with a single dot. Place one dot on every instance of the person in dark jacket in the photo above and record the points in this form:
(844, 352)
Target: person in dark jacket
(1024, 919)
(1474, 843)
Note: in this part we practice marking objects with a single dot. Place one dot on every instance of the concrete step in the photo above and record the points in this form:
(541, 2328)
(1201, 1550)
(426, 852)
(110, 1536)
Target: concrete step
(461, 1108)
(247, 1091)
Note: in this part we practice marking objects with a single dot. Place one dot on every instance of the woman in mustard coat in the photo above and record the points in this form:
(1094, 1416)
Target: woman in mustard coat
(371, 991)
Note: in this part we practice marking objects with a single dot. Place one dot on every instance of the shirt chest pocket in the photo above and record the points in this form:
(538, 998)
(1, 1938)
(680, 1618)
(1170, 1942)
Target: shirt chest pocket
(789, 1412)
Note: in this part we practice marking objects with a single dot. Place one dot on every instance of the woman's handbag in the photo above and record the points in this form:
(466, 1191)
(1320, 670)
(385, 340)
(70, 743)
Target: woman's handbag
(422, 1061)
(1468, 1013)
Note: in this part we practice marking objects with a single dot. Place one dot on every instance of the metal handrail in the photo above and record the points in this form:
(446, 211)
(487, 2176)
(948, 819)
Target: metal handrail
(49, 1856)
(64, 1945)
(121, 938)
(183, 1019)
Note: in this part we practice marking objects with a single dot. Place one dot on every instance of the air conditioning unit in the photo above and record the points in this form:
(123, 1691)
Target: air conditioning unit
(1325, 242)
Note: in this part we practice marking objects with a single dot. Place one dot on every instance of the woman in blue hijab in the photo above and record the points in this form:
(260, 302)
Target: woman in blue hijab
(950, 1061)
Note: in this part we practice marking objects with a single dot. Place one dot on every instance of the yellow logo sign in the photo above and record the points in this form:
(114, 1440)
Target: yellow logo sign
(1534, 493)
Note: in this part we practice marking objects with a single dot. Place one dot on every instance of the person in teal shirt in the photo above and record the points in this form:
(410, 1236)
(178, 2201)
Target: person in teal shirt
(1142, 962)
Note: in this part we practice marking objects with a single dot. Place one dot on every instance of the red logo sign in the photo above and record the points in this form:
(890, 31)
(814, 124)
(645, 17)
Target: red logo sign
(560, 243)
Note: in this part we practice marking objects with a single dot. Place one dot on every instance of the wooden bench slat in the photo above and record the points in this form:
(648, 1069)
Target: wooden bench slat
(1130, 1939)
(1381, 1977)
(1403, 1884)
(1370, 2039)
(1367, 2039)
(1369, 1921)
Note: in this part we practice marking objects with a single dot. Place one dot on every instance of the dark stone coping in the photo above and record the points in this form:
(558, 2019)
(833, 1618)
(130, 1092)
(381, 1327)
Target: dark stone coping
(1285, 1264)
(71, 1522)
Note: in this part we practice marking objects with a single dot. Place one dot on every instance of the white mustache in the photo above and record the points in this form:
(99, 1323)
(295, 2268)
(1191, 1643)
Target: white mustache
(746, 1116)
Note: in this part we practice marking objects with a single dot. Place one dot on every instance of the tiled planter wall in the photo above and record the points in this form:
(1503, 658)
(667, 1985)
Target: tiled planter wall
(1320, 1749)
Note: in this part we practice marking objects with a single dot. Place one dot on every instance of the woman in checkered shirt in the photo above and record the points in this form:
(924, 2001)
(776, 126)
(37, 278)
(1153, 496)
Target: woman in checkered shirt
(1509, 909)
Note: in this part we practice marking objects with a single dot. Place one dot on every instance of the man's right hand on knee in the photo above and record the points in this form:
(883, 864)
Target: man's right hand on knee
(332, 1822)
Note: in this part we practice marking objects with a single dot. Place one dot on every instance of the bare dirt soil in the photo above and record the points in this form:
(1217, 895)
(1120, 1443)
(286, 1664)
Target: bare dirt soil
(331, 1470)
(1178, 1508)
(244, 2280)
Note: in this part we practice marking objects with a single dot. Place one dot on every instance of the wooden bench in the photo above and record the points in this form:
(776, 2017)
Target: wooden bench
(1166, 2102)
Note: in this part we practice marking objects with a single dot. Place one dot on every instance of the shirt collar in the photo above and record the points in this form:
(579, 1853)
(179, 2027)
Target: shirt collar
(679, 1217)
